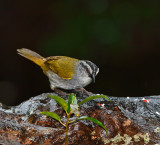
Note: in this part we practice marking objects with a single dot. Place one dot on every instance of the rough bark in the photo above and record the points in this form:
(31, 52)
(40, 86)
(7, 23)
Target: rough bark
(129, 121)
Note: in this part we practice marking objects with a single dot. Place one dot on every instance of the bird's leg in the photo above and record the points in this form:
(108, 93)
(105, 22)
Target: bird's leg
(83, 91)
(59, 91)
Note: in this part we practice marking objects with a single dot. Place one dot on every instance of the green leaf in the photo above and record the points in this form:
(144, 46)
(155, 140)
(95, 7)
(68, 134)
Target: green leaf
(74, 100)
(52, 114)
(60, 101)
(70, 100)
(93, 120)
(72, 105)
(91, 98)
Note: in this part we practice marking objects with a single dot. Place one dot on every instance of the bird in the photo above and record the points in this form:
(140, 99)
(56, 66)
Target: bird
(64, 72)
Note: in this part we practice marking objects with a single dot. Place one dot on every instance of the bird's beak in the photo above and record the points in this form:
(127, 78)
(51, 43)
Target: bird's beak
(93, 78)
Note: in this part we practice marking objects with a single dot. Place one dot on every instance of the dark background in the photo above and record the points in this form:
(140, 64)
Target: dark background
(122, 37)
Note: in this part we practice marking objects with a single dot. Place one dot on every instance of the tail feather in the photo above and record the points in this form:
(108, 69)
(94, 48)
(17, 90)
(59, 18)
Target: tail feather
(31, 55)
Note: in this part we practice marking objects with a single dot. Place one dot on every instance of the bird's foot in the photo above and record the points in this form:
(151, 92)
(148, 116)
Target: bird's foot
(79, 92)
(82, 92)
(60, 92)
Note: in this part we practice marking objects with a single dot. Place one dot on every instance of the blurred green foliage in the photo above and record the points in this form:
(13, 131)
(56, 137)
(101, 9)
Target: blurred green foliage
(87, 25)
(121, 37)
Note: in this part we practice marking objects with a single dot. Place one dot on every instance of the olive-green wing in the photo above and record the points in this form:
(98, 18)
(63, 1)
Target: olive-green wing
(62, 65)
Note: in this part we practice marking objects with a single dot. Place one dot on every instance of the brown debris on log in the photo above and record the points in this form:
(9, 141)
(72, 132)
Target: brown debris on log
(128, 121)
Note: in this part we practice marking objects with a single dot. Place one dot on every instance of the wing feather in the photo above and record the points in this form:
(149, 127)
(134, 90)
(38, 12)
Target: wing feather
(62, 65)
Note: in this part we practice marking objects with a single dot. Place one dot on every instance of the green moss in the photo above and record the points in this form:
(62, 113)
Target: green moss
(146, 138)
(117, 138)
(127, 139)
(157, 130)
(136, 138)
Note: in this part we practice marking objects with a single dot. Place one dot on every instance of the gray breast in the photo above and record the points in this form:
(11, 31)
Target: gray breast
(79, 80)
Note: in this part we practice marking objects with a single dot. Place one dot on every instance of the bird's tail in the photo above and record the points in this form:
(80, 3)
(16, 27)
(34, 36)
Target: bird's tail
(31, 55)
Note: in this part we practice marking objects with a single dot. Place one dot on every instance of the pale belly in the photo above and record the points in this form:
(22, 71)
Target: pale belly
(68, 84)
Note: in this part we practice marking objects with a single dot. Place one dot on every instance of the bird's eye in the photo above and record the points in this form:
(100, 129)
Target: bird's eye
(87, 69)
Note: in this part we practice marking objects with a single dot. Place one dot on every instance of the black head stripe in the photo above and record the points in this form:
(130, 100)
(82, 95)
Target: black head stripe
(90, 67)
(93, 67)
(85, 67)
(90, 64)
